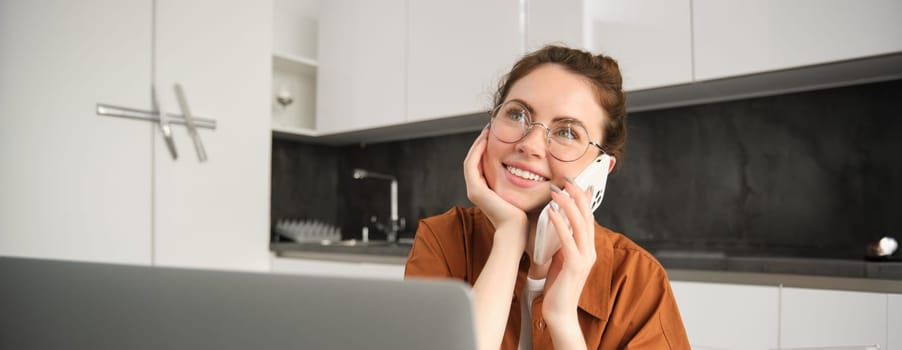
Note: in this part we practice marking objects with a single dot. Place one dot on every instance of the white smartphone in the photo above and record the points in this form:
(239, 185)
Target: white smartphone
(546, 240)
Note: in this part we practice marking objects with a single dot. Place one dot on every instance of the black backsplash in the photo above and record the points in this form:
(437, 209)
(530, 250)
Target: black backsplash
(305, 182)
(813, 174)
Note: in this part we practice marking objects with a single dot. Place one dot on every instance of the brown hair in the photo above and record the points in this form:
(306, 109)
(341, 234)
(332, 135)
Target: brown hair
(600, 70)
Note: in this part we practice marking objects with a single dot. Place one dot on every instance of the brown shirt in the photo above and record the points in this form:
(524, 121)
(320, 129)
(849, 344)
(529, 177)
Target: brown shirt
(626, 303)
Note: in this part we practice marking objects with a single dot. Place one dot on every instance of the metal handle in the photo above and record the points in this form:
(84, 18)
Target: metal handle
(137, 114)
(163, 123)
(189, 122)
(165, 120)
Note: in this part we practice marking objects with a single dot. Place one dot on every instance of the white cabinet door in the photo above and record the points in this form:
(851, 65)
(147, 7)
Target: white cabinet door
(650, 39)
(823, 318)
(295, 27)
(727, 316)
(737, 37)
(457, 52)
(215, 214)
(75, 185)
(894, 326)
(362, 64)
(557, 22)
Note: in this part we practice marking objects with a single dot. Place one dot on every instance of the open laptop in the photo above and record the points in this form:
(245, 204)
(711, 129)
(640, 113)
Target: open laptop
(62, 305)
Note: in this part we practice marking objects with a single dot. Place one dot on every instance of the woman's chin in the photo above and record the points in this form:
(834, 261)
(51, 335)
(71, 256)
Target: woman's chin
(528, 205)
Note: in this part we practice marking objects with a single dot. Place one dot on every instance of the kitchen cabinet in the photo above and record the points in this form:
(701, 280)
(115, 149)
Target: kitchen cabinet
(439, 63)
(295, 27)
(75, 186)
(728, 316)
(293, 96)
(650, 39)
(738, 316)
(739, 37)
(894, 322)
(294, 67)
(813, 317)
(215, 214)
(560, 22)
(457, 52)
(661, 43)
(84, 187)
(414, 61)
(361, 78)
(440, 59)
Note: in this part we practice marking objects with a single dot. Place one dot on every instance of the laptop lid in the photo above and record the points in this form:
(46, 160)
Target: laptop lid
(62, 304)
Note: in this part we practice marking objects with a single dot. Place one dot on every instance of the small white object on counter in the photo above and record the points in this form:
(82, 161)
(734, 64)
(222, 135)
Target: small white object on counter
(888, 246)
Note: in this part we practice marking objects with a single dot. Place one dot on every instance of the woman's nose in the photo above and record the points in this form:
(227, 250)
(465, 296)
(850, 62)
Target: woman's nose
(533, 144)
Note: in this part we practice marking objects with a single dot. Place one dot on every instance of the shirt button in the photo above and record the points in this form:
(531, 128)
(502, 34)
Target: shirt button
(540, 324)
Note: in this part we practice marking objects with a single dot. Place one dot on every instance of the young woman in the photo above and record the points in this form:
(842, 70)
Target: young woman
(555, 112)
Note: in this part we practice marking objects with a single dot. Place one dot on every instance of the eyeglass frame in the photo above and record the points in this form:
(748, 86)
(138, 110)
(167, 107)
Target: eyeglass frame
(529, 127)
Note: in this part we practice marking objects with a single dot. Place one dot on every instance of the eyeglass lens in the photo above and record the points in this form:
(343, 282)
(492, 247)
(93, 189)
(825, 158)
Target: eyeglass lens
(567, 139)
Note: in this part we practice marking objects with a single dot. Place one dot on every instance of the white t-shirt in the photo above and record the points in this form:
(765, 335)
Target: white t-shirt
(531, 290)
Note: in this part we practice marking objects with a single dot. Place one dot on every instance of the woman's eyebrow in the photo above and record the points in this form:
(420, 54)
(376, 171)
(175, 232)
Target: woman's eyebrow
(567, 119)
(525, 104)
(553, 120)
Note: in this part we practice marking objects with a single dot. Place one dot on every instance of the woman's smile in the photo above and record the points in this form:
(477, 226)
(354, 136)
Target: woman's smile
(523, 176)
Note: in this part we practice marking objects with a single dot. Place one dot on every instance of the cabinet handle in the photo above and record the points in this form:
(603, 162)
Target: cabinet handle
(189, 123)
(163, 123)
(151, 116)
(107, 110)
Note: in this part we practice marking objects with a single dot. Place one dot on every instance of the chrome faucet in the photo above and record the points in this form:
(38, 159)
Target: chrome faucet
(395, 224)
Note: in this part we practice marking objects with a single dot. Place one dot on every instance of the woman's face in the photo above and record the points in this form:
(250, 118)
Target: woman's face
(550, 93)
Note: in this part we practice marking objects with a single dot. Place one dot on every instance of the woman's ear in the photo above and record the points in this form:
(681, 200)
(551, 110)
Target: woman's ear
(611, 166)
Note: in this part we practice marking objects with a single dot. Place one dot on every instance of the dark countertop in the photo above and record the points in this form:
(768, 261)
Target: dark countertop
(871, 285)
(891, 270)
(703, 267)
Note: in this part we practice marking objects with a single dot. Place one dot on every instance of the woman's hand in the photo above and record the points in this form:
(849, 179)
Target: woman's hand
(493, 289)
(571, 265)
(503, 215)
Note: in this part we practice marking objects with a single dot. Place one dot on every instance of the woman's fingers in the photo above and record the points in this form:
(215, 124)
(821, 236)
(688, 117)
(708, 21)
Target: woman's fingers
(472, 167)
(476, 150)
(570, 205)
(568, 245)
(590, 228)
(581, 213)
(579, 196)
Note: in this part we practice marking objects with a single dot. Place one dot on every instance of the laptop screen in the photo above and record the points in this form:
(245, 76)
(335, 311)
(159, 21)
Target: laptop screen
(62, 304)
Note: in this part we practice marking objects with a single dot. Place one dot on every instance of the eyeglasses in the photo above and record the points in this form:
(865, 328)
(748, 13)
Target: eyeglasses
(568, 139)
